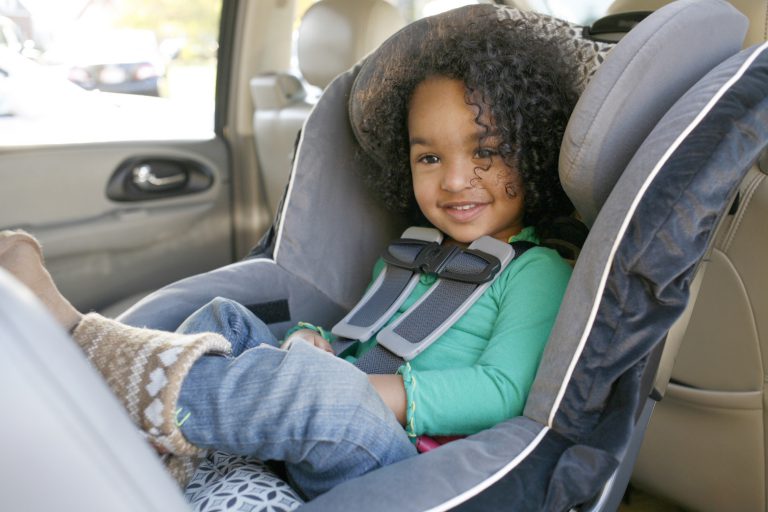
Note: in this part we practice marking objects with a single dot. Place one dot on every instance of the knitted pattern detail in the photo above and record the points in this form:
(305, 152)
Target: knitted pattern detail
(145, 369)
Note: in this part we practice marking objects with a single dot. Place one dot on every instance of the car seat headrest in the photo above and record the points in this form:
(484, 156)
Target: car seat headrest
(392, 63)
(647, 71)
(335, 34)
(757, 12)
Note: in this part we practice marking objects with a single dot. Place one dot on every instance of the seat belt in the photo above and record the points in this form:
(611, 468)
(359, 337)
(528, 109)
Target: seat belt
(390, 289)
(463, 276)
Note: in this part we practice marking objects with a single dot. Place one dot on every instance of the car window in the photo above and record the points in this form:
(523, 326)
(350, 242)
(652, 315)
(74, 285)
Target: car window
(410, 9)
(583, 12)
(110, 71)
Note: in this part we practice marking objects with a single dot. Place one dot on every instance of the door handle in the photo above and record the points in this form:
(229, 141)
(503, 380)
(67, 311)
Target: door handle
(144, 177)
(149, 177)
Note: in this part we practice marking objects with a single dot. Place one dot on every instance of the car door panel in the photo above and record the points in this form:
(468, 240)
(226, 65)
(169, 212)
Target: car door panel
(100, 250)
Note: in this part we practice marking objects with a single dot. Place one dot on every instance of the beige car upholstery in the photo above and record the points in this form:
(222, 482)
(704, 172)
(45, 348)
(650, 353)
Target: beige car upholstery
(333, 36)
(705, 447)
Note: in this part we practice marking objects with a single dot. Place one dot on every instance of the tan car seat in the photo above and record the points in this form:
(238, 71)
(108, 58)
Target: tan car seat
(332, 37)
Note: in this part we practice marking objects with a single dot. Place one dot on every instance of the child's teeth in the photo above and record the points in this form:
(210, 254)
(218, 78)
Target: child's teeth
(465, 207)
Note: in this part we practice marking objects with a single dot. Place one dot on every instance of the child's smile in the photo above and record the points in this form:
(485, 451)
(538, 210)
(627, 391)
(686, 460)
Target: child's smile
(463, 211)
(460, 181)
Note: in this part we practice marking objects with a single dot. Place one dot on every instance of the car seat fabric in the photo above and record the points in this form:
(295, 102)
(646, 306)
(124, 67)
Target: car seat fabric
(615, 117)
(513, 463)
(234, 482)
(588, 170)
(717, 129)
(718, 378)
(754, 9)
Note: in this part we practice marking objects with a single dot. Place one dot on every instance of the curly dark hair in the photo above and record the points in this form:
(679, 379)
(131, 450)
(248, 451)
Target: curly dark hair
(507, 68)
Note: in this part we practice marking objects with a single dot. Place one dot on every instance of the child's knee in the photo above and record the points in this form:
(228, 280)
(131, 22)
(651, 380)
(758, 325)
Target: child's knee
(223, 307)
(218, 314)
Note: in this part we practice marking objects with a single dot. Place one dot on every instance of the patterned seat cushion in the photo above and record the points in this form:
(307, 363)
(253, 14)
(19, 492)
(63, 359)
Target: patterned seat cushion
(226, 482)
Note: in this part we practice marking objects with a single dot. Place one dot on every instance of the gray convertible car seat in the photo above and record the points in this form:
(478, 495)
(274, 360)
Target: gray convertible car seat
(650, 167)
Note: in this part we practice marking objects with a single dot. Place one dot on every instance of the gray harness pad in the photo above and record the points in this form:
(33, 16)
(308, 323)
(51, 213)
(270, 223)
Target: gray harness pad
(390, 289)
(463, 275)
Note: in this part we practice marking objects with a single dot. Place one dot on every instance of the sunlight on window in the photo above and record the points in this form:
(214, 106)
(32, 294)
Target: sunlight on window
(438, 6)
(141, 69)
(582, 12)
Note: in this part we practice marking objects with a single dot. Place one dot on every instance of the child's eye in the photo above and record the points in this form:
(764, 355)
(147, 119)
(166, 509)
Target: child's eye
(485, 152)
(429, 159)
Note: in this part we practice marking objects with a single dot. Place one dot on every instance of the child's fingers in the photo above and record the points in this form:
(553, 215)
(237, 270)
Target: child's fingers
(310, 337)
(322, 343)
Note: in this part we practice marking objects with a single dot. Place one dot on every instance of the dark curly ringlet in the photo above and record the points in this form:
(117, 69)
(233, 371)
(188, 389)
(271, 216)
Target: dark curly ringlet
(507, 66)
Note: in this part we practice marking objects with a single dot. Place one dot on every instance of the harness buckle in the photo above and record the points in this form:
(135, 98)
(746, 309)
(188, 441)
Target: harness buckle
(480, 276)
(434, 258)
(406, 253)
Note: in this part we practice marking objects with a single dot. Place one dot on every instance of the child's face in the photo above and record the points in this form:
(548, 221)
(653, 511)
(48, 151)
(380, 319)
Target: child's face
(452, 187)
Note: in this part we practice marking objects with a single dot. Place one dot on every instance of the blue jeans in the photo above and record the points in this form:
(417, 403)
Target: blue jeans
(316, 412)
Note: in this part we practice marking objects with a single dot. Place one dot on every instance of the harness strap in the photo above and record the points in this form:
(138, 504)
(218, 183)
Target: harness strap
(390, 289)
(463, 275)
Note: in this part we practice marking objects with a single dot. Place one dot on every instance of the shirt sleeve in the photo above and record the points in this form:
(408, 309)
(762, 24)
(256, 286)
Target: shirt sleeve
(468, 399)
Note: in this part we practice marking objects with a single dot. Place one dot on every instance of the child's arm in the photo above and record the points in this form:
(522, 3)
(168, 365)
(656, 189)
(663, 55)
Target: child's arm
(494, 385)
(392, 391)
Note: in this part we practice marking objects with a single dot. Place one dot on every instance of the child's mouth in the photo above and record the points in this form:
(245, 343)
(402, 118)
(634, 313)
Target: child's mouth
(464, 212)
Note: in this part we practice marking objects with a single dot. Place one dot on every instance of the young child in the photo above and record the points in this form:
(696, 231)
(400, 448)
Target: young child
(471, 131)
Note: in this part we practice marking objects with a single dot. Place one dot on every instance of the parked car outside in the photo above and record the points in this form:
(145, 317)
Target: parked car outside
(122, 61)
(38, 105)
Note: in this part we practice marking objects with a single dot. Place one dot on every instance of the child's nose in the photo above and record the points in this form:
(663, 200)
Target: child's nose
(457, 176)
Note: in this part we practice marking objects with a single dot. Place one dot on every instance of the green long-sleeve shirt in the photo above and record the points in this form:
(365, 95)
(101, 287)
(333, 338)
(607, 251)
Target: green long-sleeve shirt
(480, 371)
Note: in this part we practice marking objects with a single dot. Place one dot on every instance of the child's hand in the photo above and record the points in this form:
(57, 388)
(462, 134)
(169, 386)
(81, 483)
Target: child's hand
(311, 337)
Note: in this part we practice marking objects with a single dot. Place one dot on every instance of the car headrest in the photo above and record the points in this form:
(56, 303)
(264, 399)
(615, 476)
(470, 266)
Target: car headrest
(335, 34)
(646, 72)
(757, 12)
(389, 65)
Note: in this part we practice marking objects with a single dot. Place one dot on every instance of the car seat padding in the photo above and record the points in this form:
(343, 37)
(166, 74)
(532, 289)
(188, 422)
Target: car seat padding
(645, 75)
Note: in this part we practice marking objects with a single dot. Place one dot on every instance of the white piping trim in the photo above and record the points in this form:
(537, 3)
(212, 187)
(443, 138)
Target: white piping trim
(477, 489)
(630, 213)
(251, 260)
